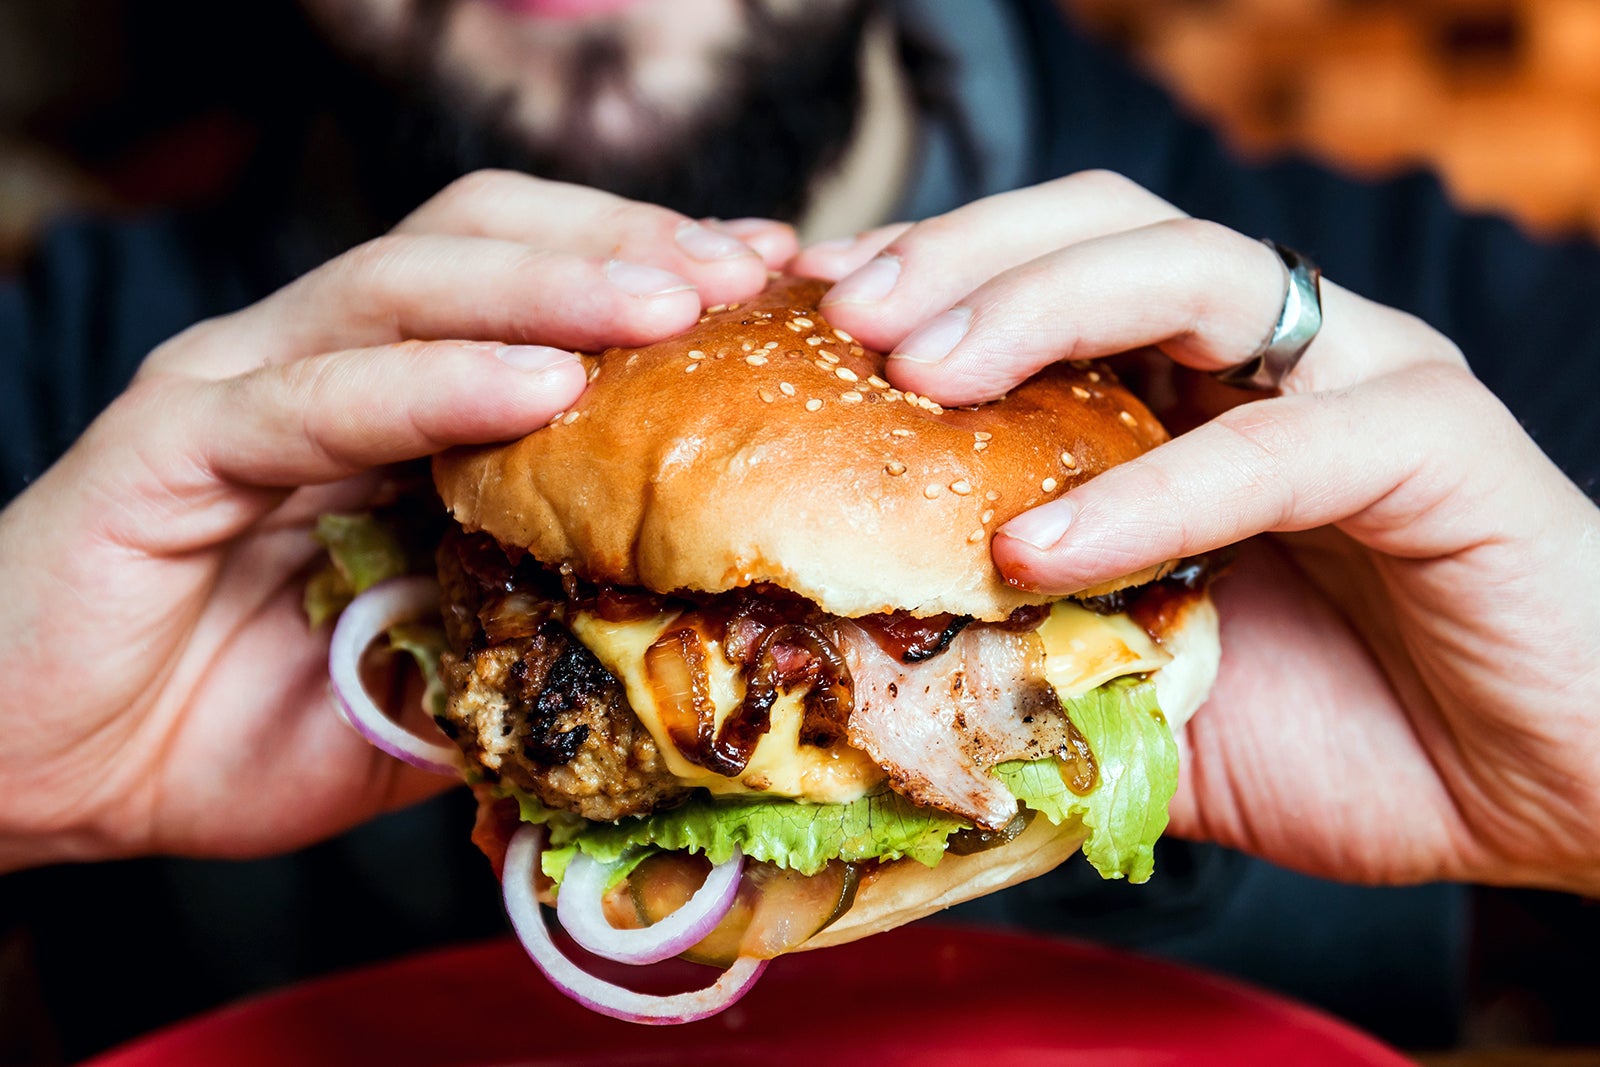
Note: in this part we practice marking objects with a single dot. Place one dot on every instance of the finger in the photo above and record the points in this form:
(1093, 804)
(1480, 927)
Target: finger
(326, 418)
(507, 206)
(833, 259)
(937, 262)
(404, 288)
(1408, 479)
(775, 242)
(1205, 295)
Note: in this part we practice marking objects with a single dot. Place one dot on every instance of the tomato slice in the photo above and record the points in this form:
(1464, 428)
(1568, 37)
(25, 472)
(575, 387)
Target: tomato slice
(776, 910)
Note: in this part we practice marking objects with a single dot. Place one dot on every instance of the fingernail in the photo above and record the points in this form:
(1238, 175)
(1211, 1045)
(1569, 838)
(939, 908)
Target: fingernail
(1043, 527)
(534, 358)
(935, 339)
(702, 242)
(867, 285)
(637, 279)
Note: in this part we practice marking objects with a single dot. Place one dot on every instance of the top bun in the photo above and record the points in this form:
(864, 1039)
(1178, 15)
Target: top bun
(765, 446)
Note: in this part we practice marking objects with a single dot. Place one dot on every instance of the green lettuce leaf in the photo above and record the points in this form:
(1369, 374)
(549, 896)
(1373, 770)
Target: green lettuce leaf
(1137, 762)
(789, 833)
(362, 551)
(1123, 814)
(424, 643)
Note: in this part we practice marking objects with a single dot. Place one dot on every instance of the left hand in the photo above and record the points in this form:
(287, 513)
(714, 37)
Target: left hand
(1409, 688)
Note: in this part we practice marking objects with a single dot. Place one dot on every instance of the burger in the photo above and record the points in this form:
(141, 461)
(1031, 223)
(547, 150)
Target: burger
(733, 674)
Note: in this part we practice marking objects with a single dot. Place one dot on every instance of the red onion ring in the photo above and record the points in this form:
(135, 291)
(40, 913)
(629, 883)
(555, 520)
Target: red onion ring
(369, 615)
(522, 905)
(582, 917)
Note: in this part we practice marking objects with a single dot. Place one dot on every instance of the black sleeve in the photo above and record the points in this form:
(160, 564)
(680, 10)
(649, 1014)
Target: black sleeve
(91, 303)
(1523, 311)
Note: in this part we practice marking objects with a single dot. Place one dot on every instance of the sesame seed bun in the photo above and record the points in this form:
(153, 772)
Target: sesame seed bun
(766, 446)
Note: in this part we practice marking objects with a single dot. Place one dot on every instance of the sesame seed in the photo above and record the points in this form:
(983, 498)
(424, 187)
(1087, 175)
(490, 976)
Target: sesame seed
(895, 467)
(911, 398)
(856, 350)
(979, 446)
(766, 395)
(932, 489)
(1094, 376)
(1080, 392)
(594, 372)
(813, 404)
(894, 394)
(554, 419)
(572, 417)
(795, 326)
(691, 368)
(756, 360)
(847, 374)
(770, 345)
(991, 496)
(1128, 418)
(961, 487)
(852, 397)
(733, 307)
(983, 435)
(904, 433)
(829, 356)
(987, 517)
(929, 405)
(841, 335)
(1049, 485)
(714, 308)
(823, 365)
(786, 389)
(1067, 460)
(813, 341)
(804, 323)
(877, 382)
(747, 346)
(975, 536)
(695, 353)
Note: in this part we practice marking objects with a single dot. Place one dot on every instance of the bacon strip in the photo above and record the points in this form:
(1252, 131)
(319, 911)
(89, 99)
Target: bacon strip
(937, 727)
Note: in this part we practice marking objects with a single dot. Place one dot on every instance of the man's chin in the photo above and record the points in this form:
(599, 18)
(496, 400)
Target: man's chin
(783, 110)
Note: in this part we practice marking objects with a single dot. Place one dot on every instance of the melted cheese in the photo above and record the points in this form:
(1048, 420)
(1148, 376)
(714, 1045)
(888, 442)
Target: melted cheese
(1083, 650)
(779, 765)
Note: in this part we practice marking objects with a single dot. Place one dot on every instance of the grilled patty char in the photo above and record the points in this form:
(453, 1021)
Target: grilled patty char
(537, 709)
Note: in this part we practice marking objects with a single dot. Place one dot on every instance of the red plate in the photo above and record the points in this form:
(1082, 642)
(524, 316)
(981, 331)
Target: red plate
(931, 995)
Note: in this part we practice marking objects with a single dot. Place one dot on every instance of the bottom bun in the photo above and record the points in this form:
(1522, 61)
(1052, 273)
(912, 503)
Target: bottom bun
(899, 892)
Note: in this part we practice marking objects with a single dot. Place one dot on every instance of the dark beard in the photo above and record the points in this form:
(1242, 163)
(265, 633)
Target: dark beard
(787, 110)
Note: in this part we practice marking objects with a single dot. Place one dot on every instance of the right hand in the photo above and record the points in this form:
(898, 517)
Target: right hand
(164, 693)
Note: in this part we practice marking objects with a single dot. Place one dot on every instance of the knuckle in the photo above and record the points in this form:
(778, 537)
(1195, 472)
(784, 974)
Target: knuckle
(1117, 190)
(372, 261)
(1262, 462)
(1103, 182)
(470, 190)
(647, 221)
(1203, 233)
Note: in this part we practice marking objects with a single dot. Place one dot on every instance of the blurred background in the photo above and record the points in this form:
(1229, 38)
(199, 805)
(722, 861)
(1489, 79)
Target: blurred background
(102, 109)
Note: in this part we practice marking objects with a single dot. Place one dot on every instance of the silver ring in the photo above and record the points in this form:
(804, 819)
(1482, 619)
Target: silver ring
(1296, 328)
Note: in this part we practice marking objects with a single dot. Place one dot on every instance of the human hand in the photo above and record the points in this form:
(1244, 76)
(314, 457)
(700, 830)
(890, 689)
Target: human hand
(1409, 683)
(163, 691)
